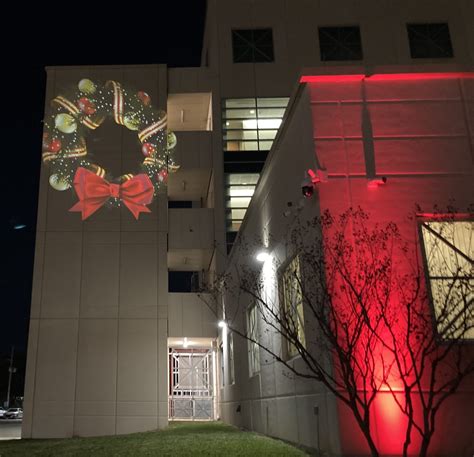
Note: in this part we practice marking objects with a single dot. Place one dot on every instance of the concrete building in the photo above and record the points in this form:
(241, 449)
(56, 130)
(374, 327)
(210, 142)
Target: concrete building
(113, 349)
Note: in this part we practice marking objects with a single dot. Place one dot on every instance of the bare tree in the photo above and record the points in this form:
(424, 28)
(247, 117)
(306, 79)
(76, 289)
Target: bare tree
(353, 304)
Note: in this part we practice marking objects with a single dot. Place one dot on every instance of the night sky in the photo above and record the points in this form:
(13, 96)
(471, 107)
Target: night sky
(169, 33)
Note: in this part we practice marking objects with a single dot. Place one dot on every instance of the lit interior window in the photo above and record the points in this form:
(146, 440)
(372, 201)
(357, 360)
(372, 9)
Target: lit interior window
(249, 127)
(449, 253)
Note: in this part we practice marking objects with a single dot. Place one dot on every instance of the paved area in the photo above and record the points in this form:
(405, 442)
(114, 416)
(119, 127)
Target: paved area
(10, 429)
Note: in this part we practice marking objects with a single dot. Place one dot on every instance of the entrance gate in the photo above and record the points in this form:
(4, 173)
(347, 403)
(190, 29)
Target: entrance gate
(191, 395)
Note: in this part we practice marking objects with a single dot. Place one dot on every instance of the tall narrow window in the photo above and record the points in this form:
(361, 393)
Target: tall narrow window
(449, 254)
(340, 43)
(249, 127)
(252, 45)
(429, 41)
(231, 358)
(221, 356)
(292, 308)
(252, 334)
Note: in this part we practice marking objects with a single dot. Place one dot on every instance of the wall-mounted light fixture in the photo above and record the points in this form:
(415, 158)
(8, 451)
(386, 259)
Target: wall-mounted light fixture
(262, 256)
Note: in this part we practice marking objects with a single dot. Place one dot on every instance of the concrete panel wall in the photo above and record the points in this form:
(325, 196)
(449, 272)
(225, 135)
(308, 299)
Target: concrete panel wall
(273, 401)
(194, 150)
(296, 42)
(191, 315)
(417, 133)
(191, 228)
(99, 311)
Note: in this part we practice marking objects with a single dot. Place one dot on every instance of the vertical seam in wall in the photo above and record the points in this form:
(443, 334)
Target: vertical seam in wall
(158, 238)
(78, 330)
(118, 285)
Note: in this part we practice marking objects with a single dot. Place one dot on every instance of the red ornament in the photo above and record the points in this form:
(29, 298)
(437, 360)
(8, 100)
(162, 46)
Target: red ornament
(45, 141)
(148, 149)
(163, 176)
(86, 106)
(55, 145)
(144, 97)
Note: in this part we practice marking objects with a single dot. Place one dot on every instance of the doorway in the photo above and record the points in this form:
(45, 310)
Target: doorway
(191, 384)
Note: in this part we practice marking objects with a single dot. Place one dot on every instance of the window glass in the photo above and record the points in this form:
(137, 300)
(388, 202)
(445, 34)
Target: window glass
(293, 305)
(252, 45)
(429, 41)
(240, 103)
(221, 356)
(340, 43)
(252, 333)
(249, 126)
(449, 254)
(231, 358)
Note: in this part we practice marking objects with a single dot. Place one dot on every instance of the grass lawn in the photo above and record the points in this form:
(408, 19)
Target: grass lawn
(179, 439)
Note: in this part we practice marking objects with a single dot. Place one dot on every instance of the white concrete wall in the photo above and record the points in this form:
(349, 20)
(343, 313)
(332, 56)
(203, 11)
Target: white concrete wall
(422, 135)
(191, 228)
(97, 356)
(273, 401)
(296, 43)
(191, 315)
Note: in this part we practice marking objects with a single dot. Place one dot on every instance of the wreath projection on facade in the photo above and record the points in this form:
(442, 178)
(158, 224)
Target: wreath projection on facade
(73, 118)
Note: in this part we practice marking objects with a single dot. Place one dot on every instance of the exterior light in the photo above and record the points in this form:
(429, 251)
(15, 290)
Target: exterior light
(222, 324)
(185, 343)
(262, 256)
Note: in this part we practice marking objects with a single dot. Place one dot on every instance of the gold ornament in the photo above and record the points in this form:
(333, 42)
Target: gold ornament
(58, 183)
(171, 140)
(131, 121)
(65, 123)
(86, 86)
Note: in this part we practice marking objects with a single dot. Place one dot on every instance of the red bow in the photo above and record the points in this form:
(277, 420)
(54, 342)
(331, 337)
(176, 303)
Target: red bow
(93, 191)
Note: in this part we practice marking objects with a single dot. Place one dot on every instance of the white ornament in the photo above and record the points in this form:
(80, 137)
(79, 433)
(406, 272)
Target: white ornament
(171, 140)
(65, 123)
(86, 86)
(131, 121)
(58, 183)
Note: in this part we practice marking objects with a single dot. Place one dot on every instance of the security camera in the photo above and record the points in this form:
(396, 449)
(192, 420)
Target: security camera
(376, 182)
(307, 187)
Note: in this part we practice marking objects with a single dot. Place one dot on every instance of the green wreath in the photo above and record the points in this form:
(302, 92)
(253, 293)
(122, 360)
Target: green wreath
(72, 118)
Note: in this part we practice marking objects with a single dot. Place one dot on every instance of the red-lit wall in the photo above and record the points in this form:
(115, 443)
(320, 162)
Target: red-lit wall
(417, 130)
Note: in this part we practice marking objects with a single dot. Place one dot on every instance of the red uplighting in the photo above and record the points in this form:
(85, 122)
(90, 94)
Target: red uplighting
(446, 216)
(384, 77)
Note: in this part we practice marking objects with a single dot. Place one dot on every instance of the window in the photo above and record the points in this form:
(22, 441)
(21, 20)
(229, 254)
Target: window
(449, 254)
(252, 45)
(249, 127)
(252, 334)
(251, 124)
(340, 43)
(292, 306)
(231, 358)
(221, 356)
(184, 281)
(429, 41)
(239, 188)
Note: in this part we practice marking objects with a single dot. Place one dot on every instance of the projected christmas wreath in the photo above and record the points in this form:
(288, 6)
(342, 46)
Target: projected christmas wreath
(65, 147)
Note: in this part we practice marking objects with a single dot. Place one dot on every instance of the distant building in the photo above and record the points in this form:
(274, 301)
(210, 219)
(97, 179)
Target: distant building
(120, 340)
